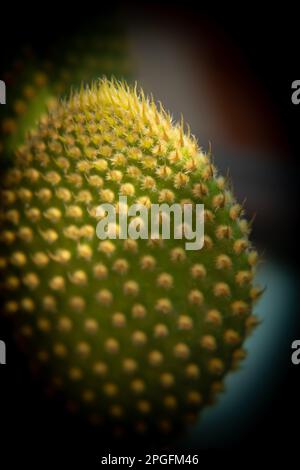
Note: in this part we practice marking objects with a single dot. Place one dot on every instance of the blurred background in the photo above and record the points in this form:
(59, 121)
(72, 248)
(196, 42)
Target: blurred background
(230, 77)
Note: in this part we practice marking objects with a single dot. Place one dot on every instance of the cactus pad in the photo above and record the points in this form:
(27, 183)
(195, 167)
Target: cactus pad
(136, 334)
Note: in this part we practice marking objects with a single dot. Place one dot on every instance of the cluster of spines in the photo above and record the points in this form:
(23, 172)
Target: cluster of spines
(138, 316)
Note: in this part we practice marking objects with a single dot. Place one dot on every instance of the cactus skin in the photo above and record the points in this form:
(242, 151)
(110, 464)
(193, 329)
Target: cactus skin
(137, 334)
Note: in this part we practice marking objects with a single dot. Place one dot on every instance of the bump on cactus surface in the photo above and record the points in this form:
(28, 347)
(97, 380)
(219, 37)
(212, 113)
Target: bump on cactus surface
(136, 334)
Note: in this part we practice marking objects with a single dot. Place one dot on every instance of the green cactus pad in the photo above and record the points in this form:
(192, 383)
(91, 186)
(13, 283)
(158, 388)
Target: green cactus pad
(136, 334)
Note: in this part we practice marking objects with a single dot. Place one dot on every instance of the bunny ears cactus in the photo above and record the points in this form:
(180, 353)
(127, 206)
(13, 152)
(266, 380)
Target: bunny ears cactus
(138, 335)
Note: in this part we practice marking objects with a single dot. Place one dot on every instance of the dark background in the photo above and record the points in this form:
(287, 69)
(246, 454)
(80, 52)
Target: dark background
(268, 43)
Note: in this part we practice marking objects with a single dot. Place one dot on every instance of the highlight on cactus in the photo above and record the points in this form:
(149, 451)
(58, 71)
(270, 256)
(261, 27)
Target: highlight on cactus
(136, 335)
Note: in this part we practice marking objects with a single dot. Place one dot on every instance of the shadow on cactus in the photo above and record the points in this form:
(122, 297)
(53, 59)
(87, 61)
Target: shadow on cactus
(136, 335)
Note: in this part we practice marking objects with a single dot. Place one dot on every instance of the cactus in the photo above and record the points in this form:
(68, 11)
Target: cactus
(35, 85)
(136, 334)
